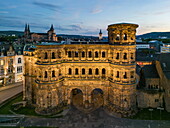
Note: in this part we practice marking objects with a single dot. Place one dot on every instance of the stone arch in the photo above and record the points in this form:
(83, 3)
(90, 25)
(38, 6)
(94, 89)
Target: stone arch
(72, 92)
(97, 97)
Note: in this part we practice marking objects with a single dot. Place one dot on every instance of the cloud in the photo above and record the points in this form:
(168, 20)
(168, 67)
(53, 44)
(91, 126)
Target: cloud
(75, 27)
(4, 12)
(95, 11)
(48, 6)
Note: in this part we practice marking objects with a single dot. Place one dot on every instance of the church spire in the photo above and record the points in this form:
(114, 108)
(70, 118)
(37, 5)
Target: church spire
(52, 28)
(100, 35)
(25, 27)
(100, 31)
(28, 28)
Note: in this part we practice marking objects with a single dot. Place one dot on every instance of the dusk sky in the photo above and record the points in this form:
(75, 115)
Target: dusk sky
(84, 17)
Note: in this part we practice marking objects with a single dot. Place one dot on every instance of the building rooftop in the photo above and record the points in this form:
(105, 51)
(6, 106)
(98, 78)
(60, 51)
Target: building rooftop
(165, 63)
(150, 71)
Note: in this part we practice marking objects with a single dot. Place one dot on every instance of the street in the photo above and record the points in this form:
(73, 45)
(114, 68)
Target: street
(10, 91)
(97, 119)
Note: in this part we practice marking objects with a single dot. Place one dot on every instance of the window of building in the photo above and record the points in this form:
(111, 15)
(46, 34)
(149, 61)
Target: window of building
(132, 74)
(103, 71)
(90, 71)
(90, 54)
(117, 56)
(19, 69)
(97, 71)
(53, 73)
(11, 61)
(125, 36)
(53, 55)
(69, 71)
(131, 56)
(1, 70)
(125, 56)
(125, 75)
(117, 75)
(45, 55)
(10, 69)
(96, 54)
(1, 62)
(19, 60)
(156, 100)
(83, 54)
(76, 71)
(83, 71)
(117, 37)
(103, 54)
(76, 54)
(45, 74)
(69, 54)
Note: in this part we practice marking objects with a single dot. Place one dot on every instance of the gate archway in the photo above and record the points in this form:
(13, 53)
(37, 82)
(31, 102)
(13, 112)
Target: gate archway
(97, 97)
(76, 96)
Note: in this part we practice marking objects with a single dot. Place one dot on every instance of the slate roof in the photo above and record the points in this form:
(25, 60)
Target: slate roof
(164, 59)
(150, 71)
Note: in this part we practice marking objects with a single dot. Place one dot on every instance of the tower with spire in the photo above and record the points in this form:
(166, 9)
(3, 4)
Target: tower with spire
(100, 35)
(27, 31)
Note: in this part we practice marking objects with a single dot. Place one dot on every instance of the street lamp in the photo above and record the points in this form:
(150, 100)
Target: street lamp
(159, 108)
(151, 112)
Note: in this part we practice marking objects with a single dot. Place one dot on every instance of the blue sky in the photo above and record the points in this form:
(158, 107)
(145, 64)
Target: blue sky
(84, 17)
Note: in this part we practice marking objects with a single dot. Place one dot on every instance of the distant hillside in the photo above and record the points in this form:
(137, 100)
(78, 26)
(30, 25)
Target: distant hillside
(155, 35)
(10, 33)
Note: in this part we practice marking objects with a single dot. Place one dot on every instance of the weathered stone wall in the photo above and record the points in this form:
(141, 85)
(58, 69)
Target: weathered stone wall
(147, 99)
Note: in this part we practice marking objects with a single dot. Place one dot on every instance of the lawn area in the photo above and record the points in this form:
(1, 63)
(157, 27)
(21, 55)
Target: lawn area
(145, 114)
(6, 107)
(28, 110)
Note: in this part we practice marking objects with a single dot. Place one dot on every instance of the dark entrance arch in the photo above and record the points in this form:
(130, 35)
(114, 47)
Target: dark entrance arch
(76, 97)
(97, 97)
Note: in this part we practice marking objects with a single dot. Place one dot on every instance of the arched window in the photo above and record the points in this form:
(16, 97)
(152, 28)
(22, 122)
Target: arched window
(76, 54)
(96, 54)
(117, 75)
(69, 71)
(90, 54)
(117, 56)
(125, 36)
(117, 37)
(45, 74)
(19, 60)
(103, 71)
(83, 71)
(103, 54)
(125, 75)
(125, 56)
(53, 55)
(45, 55)
(132, 74)
(90, 71)
(131, 56)
(97, 71)
(83, 54)
(69, 54)
(76, 71)
(53, 73)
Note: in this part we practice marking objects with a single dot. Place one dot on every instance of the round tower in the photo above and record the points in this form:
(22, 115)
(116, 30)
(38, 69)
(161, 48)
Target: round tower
(122, 40)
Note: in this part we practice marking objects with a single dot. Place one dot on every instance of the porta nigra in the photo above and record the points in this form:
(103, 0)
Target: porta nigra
(87, 75)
